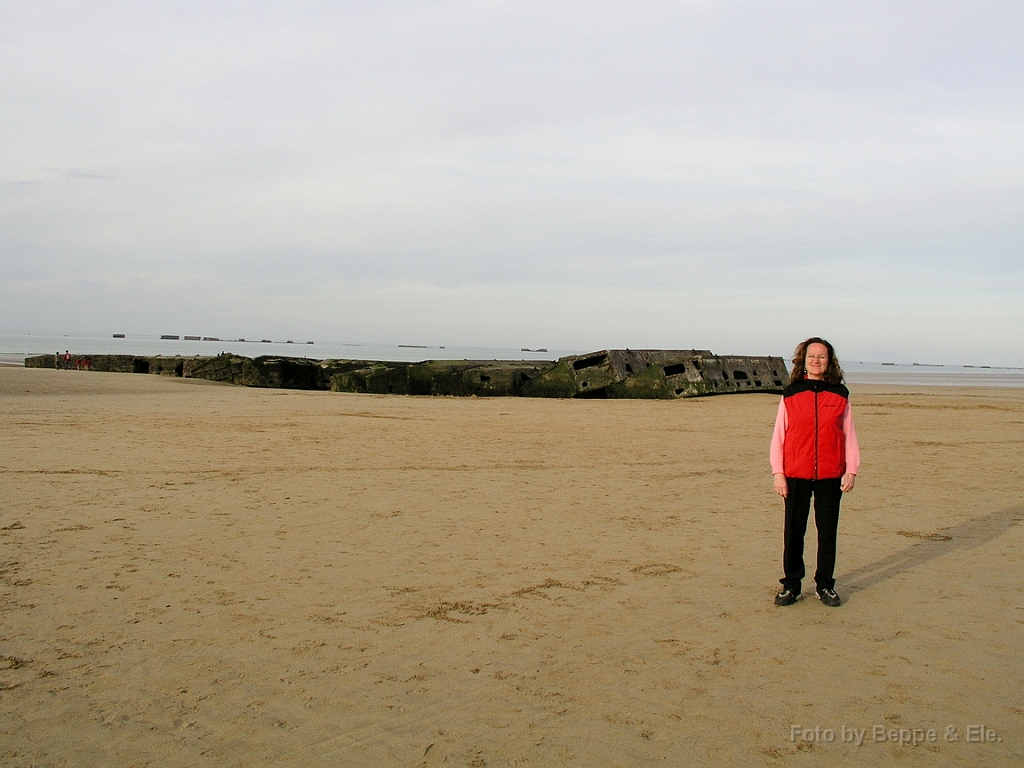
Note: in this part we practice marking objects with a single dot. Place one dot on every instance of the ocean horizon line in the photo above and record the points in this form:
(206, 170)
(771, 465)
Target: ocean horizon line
(317, 348)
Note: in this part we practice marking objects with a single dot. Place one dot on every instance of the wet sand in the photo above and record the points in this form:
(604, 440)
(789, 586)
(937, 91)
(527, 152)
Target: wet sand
(197, 574)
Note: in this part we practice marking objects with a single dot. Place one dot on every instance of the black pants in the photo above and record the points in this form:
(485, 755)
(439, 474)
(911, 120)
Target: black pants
(826, 495)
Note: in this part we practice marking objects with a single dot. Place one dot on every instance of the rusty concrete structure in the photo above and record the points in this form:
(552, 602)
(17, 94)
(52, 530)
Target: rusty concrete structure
(610, 373)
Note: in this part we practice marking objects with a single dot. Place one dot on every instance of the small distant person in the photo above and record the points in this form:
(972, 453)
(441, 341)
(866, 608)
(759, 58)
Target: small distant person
(814, 453)
(67, 359)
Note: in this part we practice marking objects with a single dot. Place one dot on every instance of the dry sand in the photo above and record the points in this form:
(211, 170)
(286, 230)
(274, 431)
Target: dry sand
(195, 574)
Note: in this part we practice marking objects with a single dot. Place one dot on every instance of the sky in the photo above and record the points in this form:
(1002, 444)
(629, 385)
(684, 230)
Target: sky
(733, 176)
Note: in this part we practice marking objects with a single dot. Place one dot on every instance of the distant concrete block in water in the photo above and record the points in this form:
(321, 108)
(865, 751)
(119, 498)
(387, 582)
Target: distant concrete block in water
(609, 373)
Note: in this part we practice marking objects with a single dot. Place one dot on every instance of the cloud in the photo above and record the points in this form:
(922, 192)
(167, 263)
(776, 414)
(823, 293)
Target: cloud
(75, 173)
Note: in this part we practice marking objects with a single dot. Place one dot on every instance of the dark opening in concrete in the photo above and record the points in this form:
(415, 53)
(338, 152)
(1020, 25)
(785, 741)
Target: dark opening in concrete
(179, 369)
(140, 366)
(589, 362)
(675, 369)
(739, 375)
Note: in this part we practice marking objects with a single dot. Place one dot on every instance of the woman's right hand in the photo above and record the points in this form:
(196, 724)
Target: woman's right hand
(781, 486)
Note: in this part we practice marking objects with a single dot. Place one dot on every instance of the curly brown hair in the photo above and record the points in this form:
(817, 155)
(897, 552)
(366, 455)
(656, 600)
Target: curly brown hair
(833, 374)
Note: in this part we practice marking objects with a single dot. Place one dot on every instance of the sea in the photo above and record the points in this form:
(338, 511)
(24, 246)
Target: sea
(15, 347)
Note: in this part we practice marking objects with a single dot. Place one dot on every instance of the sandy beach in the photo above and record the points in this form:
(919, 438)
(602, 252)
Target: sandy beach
(197, 574)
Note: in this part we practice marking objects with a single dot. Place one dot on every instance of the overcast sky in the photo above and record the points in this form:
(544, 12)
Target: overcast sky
(734, 176)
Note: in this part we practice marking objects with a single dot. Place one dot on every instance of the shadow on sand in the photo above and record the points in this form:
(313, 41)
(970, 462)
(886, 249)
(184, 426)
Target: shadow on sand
(972, 533)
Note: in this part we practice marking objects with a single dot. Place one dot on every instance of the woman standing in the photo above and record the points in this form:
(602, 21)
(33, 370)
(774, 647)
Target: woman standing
(814, 453)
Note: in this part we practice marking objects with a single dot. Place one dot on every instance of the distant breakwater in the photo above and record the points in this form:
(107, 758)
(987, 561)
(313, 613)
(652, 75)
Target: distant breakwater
(639, 374)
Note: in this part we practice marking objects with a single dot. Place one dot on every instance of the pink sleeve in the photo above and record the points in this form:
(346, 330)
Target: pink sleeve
(852, 446)
(779, 438)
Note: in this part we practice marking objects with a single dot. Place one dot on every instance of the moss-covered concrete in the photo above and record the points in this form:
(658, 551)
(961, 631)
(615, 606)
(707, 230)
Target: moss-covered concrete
(459, 378)
(658, 374)
(606, 373)
(556, 380)
(230, 369)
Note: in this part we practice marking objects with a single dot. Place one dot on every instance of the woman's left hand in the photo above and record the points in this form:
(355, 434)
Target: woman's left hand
(846, 484)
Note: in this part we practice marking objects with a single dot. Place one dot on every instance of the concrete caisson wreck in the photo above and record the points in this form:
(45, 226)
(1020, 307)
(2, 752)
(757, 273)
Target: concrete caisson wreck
(657, 374)
(610, 373)
(484, 378)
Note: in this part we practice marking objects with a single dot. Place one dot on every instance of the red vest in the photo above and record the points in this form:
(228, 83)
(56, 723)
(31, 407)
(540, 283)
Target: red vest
(814, 447)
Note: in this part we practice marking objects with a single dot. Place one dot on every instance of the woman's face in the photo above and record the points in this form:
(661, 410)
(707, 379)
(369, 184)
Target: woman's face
(816, 361)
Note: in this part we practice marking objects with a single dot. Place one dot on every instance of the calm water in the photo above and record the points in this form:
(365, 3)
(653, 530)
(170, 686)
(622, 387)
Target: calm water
(14, 348)
(933, 375)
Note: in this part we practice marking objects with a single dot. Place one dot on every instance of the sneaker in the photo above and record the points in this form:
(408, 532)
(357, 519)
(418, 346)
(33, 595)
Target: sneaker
(786, 596)
(828, 597)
